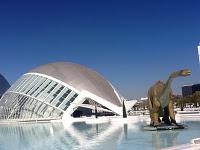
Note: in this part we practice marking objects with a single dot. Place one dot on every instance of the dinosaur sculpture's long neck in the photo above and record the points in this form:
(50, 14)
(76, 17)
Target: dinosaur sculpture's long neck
(167, 89)
(170, 79)
(168, 84)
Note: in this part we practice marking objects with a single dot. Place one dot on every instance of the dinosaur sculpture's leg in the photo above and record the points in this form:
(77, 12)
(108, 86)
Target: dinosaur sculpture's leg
(166, 116)
(151, 117)
(171, 112)
(155, 112)
(150, 105)
(154, 116)
(155, 119)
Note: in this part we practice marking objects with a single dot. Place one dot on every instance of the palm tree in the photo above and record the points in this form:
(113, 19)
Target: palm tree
(196, 98)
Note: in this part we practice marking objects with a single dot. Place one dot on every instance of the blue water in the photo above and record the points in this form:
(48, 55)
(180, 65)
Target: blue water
(109, 136)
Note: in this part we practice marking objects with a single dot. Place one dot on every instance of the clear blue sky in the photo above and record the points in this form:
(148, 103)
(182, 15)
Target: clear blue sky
(131, 43)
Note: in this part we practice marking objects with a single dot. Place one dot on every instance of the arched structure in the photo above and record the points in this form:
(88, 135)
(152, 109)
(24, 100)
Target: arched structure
(55, 90)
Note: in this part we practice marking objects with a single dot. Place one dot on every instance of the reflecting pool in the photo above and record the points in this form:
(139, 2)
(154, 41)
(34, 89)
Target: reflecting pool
(107, 136)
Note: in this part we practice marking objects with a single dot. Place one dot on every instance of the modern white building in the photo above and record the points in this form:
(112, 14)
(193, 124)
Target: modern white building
(198, 47)
(58, 90)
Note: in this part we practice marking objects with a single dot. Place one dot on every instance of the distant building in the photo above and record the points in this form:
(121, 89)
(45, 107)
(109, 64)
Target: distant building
(195, 87)
(4, 85)
(190, 89)
(143, 98)
(187, 90)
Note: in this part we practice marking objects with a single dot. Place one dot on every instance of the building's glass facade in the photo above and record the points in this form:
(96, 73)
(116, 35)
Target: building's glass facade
(35, 97)
(190, 89)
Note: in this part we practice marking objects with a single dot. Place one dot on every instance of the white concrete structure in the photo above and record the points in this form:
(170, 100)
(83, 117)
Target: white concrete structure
(199, 51)
(56, 90)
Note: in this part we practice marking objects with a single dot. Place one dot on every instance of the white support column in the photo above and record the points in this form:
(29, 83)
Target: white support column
(199, 52)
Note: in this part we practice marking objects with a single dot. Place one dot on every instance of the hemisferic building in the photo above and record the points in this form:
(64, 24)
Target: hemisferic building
(58, 90)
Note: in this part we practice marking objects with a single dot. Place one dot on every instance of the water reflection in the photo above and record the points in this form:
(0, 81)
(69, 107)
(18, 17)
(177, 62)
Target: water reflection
(162, 139)
(126, 131)
(95, 136)
(53, 136)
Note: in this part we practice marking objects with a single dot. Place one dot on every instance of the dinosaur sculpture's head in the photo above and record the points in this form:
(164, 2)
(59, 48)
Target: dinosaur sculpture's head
(181, 73)
(185, 72)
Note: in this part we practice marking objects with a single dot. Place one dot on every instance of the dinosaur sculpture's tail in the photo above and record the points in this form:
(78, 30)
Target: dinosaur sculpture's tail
(150, 104)
(149, 101)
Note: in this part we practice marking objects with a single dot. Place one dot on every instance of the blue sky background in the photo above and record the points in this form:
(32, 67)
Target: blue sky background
(132, 43)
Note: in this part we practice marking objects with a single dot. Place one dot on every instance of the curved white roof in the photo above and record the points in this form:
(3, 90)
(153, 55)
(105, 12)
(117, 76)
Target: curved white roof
(81, 78)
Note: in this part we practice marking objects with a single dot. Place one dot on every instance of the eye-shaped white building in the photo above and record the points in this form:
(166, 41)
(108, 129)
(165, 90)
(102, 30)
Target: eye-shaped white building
(57, 90)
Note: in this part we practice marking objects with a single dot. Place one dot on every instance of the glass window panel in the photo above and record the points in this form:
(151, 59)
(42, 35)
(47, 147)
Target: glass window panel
(46, 91)
(30, 84)
(48, 111)
(42, 88)
(22, 101)
(24, 83)
(33, 104)
(53, 94)
(29, 103)
(51, 89)
(12, 100)
(16, 83)
(36, 85)
(59, 97)
(62, 97)
(20, 83)
(38, 104)
(26, 109)
(56, 93)
(19, 110)
(44, 109)
(32, 107)
(41, 109)
(37, 109)
(68, 100)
